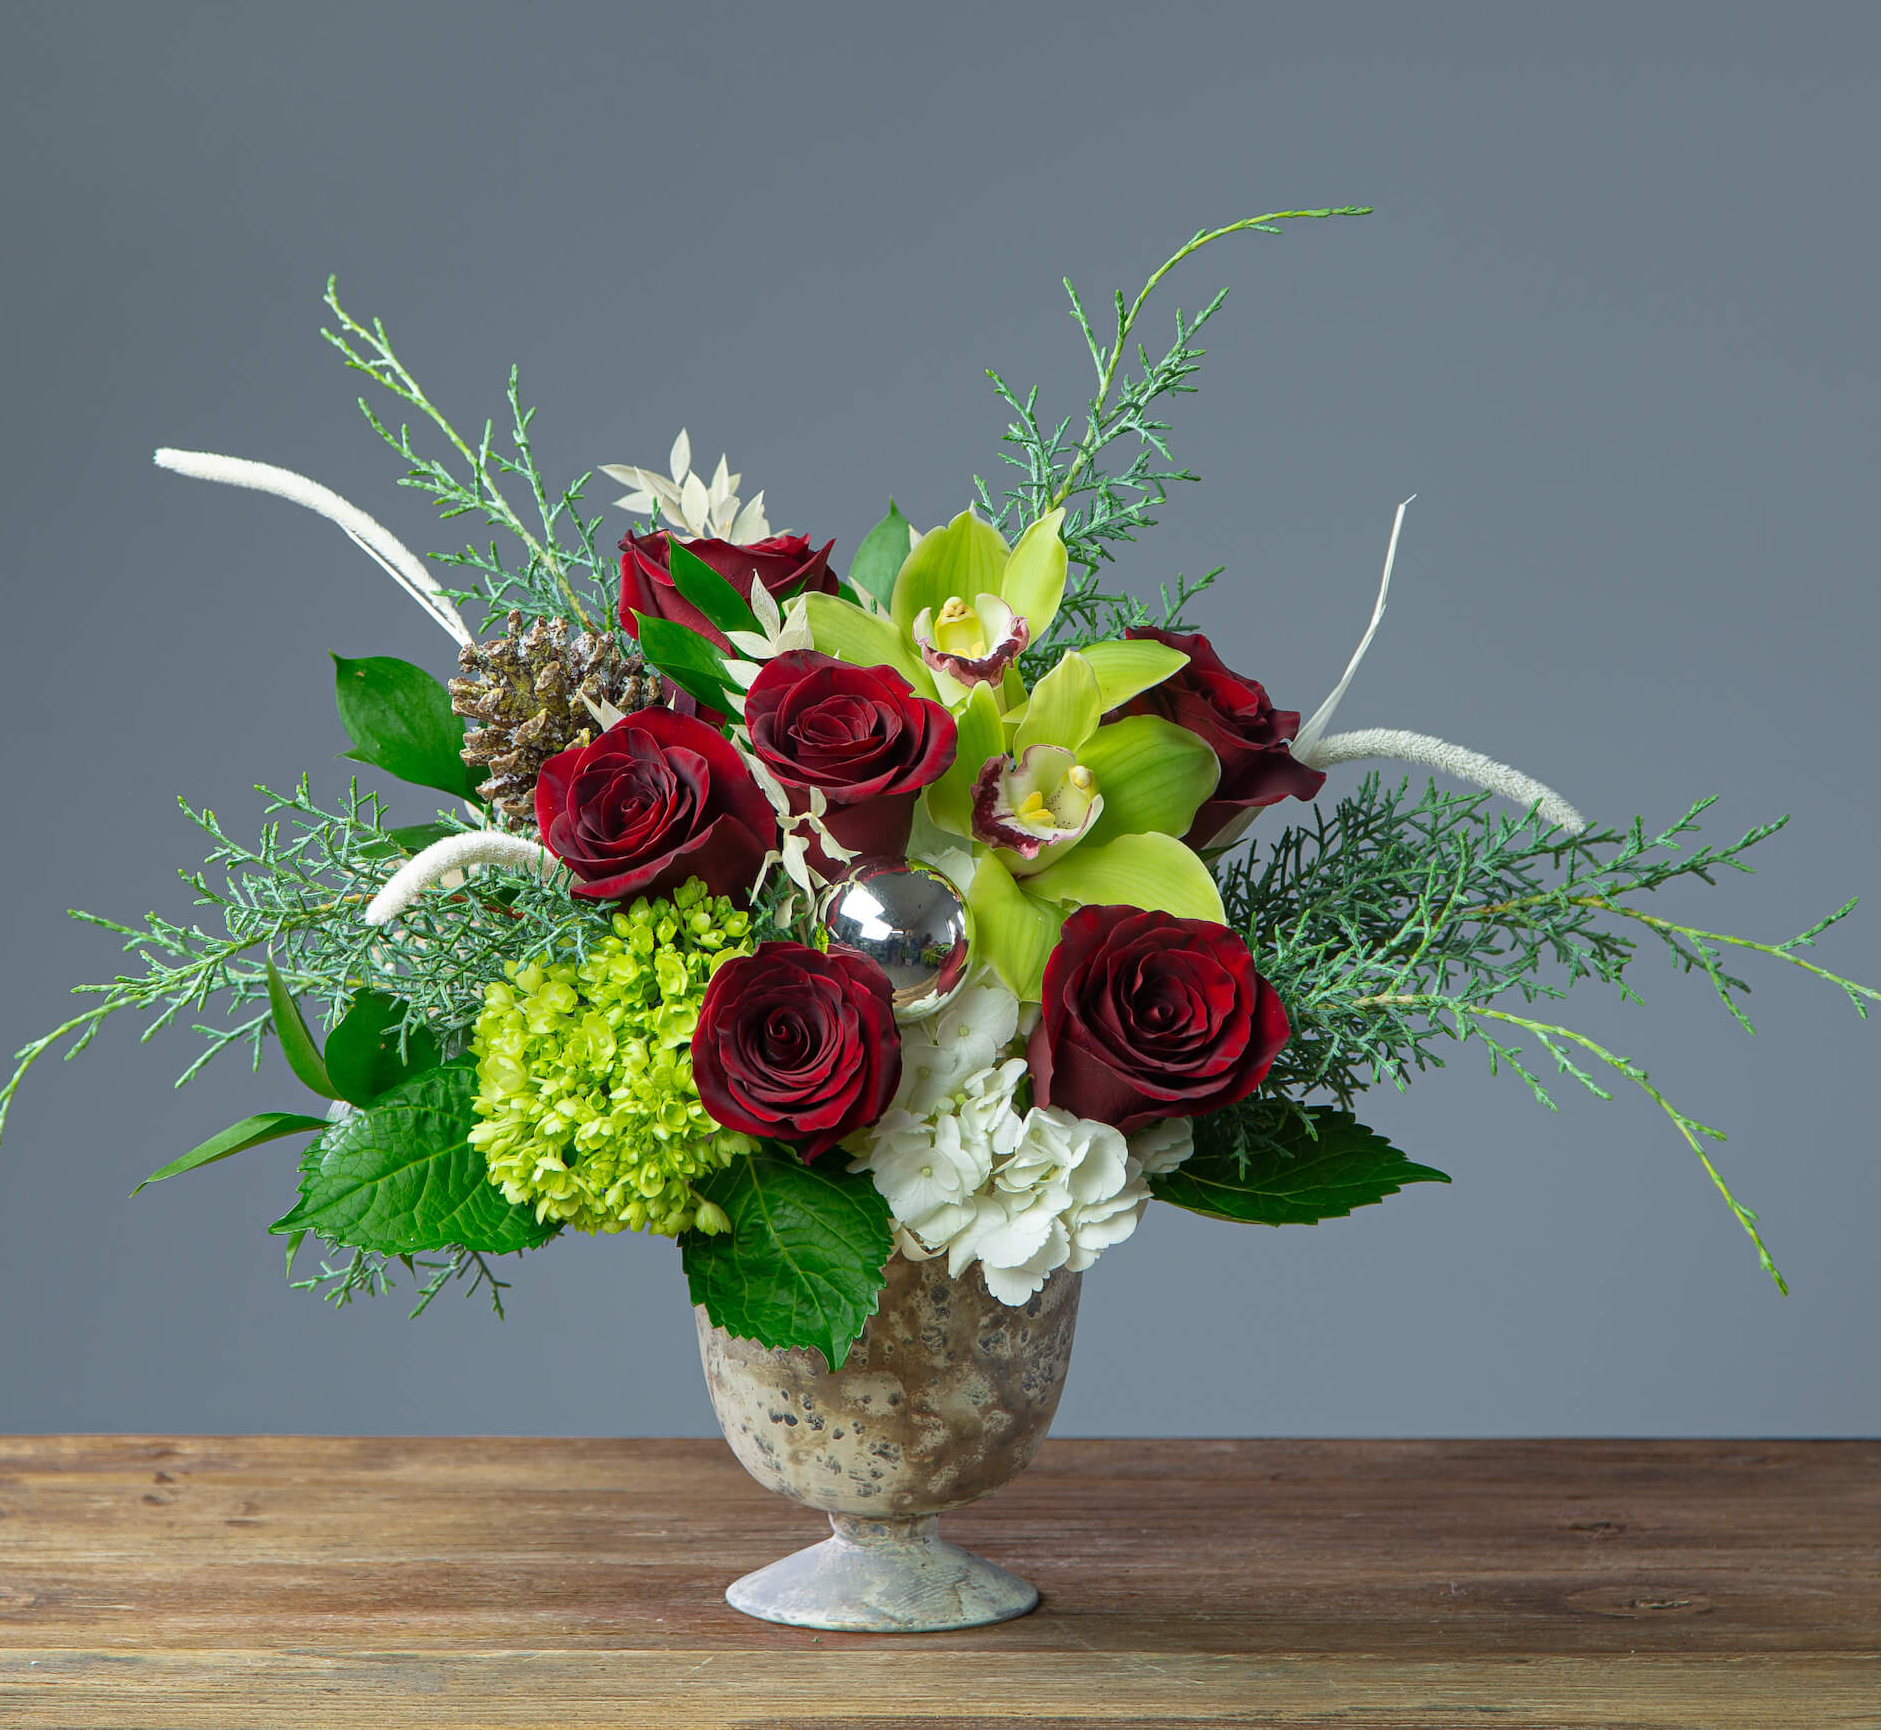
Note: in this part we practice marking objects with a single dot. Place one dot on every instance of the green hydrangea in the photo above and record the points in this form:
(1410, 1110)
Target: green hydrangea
(584, 1071)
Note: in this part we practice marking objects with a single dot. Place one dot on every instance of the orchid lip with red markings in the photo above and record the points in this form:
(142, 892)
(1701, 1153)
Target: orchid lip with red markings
(972, 644)
(1035, 807)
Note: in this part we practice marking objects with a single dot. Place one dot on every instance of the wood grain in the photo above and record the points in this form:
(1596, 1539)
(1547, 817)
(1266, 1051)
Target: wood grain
(219, 1582)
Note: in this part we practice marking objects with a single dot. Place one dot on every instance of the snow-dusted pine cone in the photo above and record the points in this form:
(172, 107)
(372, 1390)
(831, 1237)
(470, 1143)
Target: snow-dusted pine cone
(525, 690)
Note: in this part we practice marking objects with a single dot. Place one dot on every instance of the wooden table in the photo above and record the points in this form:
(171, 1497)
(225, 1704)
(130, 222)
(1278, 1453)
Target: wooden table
(288, 1581)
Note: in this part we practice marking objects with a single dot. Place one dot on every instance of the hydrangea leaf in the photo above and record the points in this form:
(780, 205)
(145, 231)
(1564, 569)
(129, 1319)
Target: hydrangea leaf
(1064, 708)
(978, 737)
(1034, 582)
(401, 1177)
(363, 1059)
(1155, 872)
(1125, 669)
(400, 720)
(1298, 1179)
(966, 558)
(843, 629)
(698, 583)
(803, 1262)
(298, 1046)
(883, 552)
(1153, 775)
(1016, 930)
(237, 1138)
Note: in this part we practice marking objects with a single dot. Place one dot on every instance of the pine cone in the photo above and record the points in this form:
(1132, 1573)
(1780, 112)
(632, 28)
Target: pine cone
(525, 689)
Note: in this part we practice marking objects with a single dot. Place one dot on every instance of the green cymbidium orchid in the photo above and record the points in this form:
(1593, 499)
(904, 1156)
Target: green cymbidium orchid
(1063, 810)
(962, 607)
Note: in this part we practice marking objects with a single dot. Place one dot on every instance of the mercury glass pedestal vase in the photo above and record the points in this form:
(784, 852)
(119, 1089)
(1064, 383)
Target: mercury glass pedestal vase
(944, 1398)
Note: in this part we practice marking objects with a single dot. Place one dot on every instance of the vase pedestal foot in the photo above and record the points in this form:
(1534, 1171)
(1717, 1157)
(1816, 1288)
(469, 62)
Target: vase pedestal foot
(887, 1576)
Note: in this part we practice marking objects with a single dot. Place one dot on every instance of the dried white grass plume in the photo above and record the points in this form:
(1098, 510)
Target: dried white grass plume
(1314, 730)
(372, 537)
(1465, 765)
(456, 853)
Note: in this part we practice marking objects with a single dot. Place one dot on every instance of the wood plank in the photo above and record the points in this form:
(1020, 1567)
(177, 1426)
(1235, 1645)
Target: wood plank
(221, 1581)
(691, 1690)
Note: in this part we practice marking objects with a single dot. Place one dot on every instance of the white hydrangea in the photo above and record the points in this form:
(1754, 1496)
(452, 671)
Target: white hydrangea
(1163, 1146)
(966, 1175)
(939, 1055)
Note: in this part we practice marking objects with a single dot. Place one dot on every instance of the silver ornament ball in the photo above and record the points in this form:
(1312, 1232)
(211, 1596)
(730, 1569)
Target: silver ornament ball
(911, 922)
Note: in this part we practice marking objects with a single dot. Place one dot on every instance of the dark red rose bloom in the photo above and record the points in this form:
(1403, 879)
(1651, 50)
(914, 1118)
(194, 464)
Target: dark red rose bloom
(1234, 718)
(784, 564)
(1147, 1016)
(858, 733)
(656, 799)
(797, 1045)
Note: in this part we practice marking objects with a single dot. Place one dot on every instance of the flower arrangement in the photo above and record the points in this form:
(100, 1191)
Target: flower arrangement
(924, 907)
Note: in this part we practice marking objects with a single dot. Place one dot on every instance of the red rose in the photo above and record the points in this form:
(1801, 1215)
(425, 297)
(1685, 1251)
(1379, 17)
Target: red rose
(860, 734)
(797, 1045)
(784, 564)
(656, 799)
(1147, 1016)
(1234, 718)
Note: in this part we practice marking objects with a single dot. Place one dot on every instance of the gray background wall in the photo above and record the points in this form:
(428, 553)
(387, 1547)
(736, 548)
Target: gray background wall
(1613, 323)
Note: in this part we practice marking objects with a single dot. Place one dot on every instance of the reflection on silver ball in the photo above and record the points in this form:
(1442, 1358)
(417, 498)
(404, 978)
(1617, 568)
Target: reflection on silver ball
(911, 922)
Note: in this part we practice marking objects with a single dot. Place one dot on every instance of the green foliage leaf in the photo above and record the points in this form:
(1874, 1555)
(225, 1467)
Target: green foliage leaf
(1152, 774)
(401, 1177)
(1150, 871)
(883, 552)
(1293, 1178)
(237, 1138)
(802, 1264)
(363, 1059)
(693, 664)
(399, 719)
(966, 558)
(297, 1044)
(707, 590)
(842, 629)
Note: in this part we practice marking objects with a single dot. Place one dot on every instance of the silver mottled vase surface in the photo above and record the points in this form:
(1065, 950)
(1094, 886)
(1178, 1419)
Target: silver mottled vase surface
(945, 1397)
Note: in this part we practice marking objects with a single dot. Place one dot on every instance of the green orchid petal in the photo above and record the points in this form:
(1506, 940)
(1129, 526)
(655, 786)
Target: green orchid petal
(1064, 709)
(950, 799)
(966, 558)
(1154, 776)
(1016, 930)
(1125, 669)
(1034, 582)
(1154, 872)
(843, 629)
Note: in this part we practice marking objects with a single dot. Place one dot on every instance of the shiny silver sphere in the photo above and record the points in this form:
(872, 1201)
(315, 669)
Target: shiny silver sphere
(911, 922)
